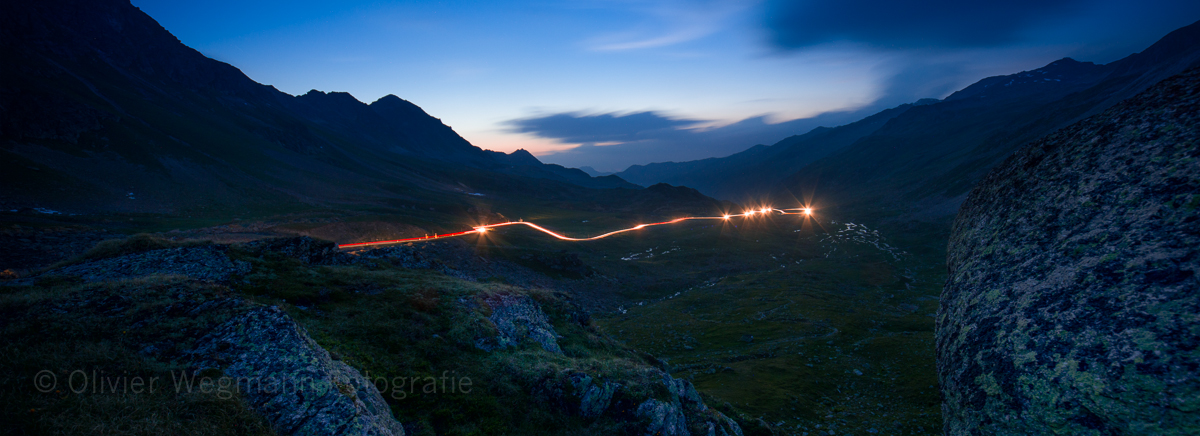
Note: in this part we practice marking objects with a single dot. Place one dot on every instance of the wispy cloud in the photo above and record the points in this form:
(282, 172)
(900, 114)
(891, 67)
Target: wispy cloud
(671, 23)
(609, 128)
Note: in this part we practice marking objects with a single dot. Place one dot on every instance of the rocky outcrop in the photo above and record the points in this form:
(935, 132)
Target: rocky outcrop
(682, 413)
(516, 318)
(1072, 304)
(648, 402)
(638, 399)
(171, 305)
(168, 301)
(303, 248)
(206, 262)
(284, 375)
(594, 395)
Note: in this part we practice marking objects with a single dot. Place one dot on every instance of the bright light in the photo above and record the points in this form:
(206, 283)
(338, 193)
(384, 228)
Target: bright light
(487, 227)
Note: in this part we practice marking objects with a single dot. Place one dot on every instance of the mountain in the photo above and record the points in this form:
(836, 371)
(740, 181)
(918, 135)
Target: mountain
(922, 163)
(921, 159)
(757, 169)
(592, 171)
(101, 109)
(1069, 268)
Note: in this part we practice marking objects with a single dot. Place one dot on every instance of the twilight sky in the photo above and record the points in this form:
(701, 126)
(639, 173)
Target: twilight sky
(610, 83)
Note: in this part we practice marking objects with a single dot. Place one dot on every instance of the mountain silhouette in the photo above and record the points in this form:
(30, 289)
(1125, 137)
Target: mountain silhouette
(102, 109)
(921, 159)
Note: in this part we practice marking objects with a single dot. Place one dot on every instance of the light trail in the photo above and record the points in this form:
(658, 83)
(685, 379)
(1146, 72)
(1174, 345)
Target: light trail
(485, 228)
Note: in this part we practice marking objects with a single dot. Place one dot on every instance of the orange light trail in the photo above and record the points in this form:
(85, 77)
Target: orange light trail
(485, 228)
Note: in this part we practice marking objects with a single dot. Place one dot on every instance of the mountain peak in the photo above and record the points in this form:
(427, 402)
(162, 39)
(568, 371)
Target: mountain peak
(394, 104)
(517, 157)
(522, 152)
(331, 95)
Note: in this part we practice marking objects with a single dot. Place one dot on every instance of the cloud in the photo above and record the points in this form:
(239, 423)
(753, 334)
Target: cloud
(574, 127)
(613, 142)
(671, 23)
(893, 24)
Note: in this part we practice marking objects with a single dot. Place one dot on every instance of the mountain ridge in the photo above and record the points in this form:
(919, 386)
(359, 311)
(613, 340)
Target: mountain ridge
(102, 109)
(920, 162)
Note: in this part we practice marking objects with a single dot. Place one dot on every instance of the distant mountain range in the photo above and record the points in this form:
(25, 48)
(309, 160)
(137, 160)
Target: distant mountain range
(101, 109)
(920, 159)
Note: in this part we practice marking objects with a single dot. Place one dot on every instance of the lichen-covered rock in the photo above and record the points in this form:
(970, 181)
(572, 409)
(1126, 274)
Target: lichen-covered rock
(683, 413)
(639, 400)
(206, 262)
(663, 418)
(1072, 304)
(284, 375)
(303, 248)
(594, 395)
(516, 318)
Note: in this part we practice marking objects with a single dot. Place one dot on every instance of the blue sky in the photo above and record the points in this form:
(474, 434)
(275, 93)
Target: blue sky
(608, 84)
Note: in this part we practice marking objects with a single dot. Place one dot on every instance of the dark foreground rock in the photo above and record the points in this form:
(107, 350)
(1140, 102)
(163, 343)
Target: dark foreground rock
(206, 262)
(194, 314)
(1072, 304)
(284, 375)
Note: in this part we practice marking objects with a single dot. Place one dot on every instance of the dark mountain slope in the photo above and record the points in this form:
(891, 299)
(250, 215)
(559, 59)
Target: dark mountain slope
(741, 176)
(103, 109)
(921, 159)
(924, 161)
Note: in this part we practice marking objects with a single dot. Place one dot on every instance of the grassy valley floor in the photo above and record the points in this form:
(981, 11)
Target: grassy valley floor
(826, 330)
(789, 325)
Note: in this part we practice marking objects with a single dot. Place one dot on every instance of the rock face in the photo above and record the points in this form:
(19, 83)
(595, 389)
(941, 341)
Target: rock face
(1072, 304)
(258, 353)
(517, 318)
(208, 262)
(284, 375)
(672, 417)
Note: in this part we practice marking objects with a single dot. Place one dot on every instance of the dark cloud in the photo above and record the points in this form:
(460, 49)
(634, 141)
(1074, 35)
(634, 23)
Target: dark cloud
(908, 24)
(574, 127)
(646, 137)
(943, 46)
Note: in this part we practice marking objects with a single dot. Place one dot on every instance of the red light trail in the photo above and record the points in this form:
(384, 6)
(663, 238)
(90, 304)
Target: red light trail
(485, 228)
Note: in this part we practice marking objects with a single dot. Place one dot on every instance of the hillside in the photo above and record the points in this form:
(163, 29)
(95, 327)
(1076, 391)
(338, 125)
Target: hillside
(920, 160)
(102, 109)
(741, 176)
(922, 163)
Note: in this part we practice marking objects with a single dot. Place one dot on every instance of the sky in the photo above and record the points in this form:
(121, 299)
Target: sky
(613, 83)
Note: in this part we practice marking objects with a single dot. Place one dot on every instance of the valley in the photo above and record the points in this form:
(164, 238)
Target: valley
(165, 217)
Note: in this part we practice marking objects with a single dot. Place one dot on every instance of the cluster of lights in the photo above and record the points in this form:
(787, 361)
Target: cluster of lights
(765, 210)
(485, 228)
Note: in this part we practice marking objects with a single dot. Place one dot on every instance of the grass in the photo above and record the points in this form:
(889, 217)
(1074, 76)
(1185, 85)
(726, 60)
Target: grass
(398, 324)
(87, 338)
(705, 289)
(138, 243)
(782, 338)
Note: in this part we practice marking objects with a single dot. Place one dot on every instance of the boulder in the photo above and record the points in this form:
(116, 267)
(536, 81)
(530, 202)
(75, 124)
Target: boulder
(1072, 304)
